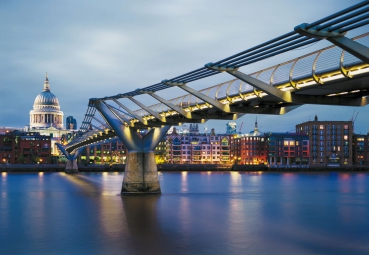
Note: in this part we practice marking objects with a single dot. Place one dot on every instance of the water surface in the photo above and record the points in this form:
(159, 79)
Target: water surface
(197, 213)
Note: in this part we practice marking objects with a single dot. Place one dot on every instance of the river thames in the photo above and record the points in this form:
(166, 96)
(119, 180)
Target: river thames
(197, 213)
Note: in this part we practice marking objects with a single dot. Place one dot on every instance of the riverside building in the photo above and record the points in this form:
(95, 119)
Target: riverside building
(112, 151)
(360, 153)
(285, 149)
(25, 147)
(195, 148)
(249, 149)
(330, 142)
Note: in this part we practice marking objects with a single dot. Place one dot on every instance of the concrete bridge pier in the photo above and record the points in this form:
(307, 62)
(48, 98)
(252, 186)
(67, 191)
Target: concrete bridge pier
(71, 167)
(141, 173)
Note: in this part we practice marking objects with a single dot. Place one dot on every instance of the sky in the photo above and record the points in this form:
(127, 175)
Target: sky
(101, 48)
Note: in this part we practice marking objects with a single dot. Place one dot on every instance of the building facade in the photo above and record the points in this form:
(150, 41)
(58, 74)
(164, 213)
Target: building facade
(286, 149)
(110, 152)
(197, 148)
(71, 123)
(360, 150)
(330, 142)
(248, 150)
(22, 147)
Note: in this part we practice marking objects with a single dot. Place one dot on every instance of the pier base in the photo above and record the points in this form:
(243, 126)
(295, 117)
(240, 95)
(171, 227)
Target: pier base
(141, 174)
(71, 167)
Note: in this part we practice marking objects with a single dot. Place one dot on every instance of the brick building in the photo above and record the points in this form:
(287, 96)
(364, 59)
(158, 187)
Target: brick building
(330, 142)
(8, 148)
(19, 147)
(248, 150)
(110, 152)
(360, 150)
(34, 148)
(288, 149)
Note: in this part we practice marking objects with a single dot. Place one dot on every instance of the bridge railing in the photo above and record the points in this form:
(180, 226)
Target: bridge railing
(310, 69)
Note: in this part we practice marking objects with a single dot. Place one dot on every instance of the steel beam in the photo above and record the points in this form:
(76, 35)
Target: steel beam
(265, 110)
(358, 50)
(284, 96)
(97, 128)
(153, 113)
(118, 115)
(139, 118)
(330, 100)
(213, 102)
(124, 133)
(172, 106)
(102, 123)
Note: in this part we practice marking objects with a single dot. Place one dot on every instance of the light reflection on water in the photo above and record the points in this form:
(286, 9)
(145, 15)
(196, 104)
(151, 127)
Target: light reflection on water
(197, 213)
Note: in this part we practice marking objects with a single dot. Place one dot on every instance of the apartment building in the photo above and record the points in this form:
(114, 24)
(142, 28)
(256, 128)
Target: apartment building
(330, 142)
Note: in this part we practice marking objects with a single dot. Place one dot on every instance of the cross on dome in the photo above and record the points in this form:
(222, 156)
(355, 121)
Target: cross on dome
(46, 84)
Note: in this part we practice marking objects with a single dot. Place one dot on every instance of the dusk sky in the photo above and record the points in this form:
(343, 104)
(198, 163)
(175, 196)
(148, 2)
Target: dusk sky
(102, 48)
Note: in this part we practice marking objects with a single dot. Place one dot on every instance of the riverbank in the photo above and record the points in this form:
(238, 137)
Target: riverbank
(187, 167)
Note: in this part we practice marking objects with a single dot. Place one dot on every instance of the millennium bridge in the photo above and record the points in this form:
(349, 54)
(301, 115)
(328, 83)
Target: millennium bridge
(335, 75)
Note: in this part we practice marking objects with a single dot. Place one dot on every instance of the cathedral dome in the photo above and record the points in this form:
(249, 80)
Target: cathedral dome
(46, 110)
(46, 99)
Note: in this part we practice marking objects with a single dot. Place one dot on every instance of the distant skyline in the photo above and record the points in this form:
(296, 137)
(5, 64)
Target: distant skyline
(101, 48)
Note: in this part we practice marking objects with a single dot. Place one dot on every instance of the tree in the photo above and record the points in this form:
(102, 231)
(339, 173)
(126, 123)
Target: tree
(21, 159)
(62, 160)
(35, 159)
(97, 160)
(49, 160)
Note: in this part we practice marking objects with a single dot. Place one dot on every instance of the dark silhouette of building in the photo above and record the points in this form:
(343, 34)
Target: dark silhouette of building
(71, 123)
